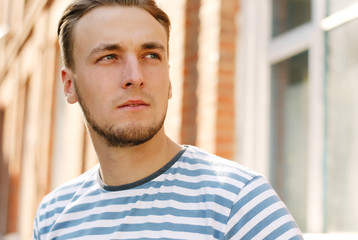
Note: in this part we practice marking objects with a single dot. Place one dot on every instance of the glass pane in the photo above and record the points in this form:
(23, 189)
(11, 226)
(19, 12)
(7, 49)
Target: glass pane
(288, 14)
(336, 5)
(289, 133)
(342, 129)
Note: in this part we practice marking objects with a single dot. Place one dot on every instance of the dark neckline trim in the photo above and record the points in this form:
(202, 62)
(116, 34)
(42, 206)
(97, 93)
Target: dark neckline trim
(144, 180)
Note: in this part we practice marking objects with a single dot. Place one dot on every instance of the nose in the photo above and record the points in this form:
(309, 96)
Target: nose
(132, 75)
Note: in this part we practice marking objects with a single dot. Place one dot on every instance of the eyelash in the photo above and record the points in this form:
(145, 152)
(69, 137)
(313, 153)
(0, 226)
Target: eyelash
(154, 56)
(110, 57)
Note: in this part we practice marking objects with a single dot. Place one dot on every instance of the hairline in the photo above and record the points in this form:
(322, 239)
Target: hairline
(68, 59)
(143, 45)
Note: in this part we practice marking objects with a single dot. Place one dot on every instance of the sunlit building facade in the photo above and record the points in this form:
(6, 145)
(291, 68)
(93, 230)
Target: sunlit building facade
(43, 141)
(268, 83)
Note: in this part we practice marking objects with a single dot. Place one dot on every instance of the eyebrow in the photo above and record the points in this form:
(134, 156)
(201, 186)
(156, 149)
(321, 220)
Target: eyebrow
(153, 45)
(116, 47)
(105, 47)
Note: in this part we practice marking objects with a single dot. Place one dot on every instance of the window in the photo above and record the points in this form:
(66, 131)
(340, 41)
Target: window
(288, 14)
(336, 5)
(342, 129)
(289, 99)
(297, 104)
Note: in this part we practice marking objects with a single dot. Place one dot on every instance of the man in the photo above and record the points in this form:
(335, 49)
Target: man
(145, 186)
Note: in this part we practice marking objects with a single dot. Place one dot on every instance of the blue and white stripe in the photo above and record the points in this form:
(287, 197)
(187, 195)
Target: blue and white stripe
(195, 196)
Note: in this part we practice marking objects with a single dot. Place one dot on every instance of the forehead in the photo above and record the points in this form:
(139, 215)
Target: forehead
(117, 24)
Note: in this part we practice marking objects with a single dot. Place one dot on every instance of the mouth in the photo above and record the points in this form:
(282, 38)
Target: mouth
(133, 105)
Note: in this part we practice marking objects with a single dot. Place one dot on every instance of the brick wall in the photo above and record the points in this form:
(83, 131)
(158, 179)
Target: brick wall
(225, 125)
(209, 83)
(190, 81)
(203, 70)
(36, 154)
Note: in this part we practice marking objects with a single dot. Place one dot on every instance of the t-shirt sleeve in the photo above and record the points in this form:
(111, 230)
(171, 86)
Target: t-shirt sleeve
(259, 213)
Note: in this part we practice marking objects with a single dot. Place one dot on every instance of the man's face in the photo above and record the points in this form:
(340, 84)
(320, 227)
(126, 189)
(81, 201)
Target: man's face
(121, 75)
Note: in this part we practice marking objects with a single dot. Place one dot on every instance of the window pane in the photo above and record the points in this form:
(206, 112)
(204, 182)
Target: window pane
(342, 129)
(336, 5)
(289, 133)
(288, 14)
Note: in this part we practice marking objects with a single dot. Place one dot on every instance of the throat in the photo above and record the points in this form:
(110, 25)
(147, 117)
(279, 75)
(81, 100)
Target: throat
(130, 165)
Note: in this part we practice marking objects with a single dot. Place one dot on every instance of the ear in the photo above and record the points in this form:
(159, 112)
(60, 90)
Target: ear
(170, 93)
(69, 88)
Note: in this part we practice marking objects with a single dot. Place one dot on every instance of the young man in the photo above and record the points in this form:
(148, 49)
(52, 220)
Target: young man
(145, 186)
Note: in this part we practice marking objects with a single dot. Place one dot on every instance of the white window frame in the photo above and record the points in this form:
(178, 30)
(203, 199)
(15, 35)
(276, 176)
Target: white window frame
(256, 53)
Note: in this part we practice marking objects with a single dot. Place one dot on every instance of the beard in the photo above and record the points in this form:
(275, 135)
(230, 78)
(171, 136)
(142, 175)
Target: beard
(128, 136)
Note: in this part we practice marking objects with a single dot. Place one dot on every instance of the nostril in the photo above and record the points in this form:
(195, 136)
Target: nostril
(129, 84)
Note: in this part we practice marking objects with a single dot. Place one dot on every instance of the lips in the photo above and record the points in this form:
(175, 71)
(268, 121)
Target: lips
(133, 104)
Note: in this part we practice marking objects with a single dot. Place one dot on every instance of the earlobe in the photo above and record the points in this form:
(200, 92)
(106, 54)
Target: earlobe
(69, 89)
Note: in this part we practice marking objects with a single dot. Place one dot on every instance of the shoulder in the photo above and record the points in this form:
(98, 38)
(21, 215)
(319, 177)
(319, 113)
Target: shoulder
(256, 211)
(206, 163)
(219, 175)
(55, 202)
(199, 156)
(69, 188)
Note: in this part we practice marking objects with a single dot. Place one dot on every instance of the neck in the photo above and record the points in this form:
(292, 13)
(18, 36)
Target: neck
(121, 166)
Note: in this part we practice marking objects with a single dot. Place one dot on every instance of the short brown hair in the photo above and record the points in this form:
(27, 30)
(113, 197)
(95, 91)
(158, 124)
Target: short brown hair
(78, 8)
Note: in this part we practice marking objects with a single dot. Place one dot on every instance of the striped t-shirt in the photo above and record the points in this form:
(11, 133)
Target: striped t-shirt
(195, 196)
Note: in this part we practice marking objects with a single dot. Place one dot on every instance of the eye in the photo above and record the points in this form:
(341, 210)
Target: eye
(153, 56)
(108, 58)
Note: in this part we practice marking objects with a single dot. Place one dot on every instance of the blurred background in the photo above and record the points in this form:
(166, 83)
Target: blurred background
(271, 84)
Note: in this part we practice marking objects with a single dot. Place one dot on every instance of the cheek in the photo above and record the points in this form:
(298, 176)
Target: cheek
(104, 79)
(93, 94)
(98, 84)
(159, 78)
